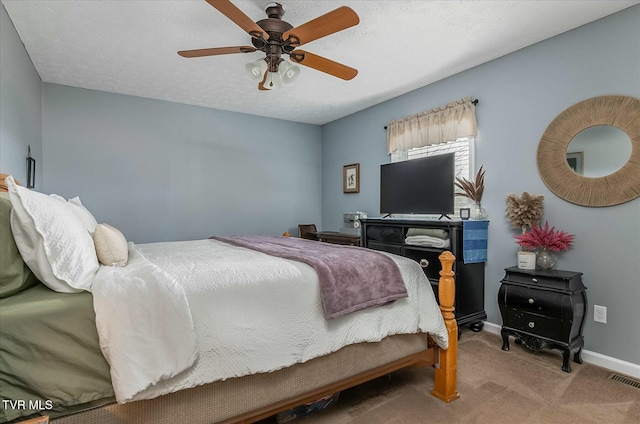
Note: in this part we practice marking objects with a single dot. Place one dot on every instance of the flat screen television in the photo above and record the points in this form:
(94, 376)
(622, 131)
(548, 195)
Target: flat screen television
(418, 186)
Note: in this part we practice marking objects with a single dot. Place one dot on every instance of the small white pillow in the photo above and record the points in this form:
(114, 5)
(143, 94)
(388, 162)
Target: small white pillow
(53, 242)
(111, 245)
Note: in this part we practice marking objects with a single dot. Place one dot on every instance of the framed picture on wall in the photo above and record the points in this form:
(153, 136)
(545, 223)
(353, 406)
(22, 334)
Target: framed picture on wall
(575, 162)
(351, 178)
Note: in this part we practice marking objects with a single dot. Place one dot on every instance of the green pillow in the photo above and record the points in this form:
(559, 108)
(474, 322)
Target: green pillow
(15, 275)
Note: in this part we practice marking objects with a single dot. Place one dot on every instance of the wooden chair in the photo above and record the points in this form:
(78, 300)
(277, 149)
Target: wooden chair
(307, 231)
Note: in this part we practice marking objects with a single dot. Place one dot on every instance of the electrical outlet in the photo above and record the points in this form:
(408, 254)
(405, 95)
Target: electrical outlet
(600, 314)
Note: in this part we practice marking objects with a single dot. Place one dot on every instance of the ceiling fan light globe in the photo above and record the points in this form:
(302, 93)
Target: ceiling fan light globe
(256, 69)
(288, 72)
(273, 81)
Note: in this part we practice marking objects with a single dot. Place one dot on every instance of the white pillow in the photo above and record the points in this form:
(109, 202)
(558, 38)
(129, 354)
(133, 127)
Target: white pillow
(53, 242)
(83, 213)
(111, 245)
(80, 211)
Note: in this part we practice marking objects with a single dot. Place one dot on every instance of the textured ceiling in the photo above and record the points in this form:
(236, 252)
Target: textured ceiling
(130, 47)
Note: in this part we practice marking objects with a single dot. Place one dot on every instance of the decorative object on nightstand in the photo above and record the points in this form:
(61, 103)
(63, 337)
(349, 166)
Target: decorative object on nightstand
(546, 259)
(545, 241)
(524, 212)
(526, 259)
(473, 190)
(544, 309)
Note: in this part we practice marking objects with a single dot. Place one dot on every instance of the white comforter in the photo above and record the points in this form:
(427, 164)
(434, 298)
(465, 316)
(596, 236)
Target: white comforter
(236, 310)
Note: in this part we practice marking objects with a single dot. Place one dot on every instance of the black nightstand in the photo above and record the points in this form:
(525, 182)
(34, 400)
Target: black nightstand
(544, 310)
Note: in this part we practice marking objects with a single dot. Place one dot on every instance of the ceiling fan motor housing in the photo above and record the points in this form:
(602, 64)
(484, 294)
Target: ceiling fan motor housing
(275, 46)
(275, 28)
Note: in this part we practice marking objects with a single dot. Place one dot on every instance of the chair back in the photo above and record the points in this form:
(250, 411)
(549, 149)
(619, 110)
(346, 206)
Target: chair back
(305, 231)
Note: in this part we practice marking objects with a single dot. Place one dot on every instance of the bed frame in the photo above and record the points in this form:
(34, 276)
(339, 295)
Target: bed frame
(254, 397)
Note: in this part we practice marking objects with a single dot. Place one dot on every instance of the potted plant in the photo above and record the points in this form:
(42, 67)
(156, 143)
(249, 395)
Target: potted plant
(473, 190)
(546, 241)
(525, 211)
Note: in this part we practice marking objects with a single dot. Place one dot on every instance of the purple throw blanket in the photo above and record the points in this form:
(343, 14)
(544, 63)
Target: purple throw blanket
(351, 278)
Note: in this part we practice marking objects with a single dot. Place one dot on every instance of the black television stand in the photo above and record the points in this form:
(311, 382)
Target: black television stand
(389, 235)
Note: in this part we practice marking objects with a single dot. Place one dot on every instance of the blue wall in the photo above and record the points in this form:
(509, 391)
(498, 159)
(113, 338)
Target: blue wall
(520, 94)
(20, 105)
(164, 171)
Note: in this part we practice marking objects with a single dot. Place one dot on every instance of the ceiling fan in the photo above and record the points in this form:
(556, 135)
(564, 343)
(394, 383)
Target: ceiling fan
(276, 38)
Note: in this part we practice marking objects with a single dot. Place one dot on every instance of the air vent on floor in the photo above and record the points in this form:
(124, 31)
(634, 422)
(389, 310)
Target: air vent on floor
(625, 380)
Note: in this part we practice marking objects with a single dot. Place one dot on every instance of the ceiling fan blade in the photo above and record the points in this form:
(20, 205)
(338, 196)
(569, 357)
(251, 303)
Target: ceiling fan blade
(323, 64)
(232, 12)
(216, 51)
(329, 23)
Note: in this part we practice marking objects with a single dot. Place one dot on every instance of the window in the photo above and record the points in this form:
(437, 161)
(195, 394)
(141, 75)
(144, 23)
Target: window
(464, 159)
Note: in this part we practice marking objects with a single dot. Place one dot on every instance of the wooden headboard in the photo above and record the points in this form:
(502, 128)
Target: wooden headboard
(3, 186)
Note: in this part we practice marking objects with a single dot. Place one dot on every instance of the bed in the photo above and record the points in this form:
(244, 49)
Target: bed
(61, 351)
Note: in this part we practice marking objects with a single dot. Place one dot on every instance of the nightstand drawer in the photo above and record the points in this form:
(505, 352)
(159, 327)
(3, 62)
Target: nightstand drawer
(536, 301)
(534, 324)
(565, 281)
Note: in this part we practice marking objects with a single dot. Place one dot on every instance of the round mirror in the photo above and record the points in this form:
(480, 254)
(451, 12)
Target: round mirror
(599, 151)
(620, 183)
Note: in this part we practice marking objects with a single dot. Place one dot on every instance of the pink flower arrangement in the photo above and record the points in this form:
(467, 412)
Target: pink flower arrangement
(545, 237)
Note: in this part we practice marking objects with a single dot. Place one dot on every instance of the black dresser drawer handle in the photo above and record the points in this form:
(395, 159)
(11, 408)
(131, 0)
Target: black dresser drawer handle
(424, 263)
(535, 280)
(532, 324)
(531, 300)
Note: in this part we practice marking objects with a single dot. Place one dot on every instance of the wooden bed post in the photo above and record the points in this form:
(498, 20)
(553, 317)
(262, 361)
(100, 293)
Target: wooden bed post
(446, 369)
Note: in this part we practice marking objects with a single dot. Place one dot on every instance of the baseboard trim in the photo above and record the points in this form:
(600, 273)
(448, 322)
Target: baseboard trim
(617, 365)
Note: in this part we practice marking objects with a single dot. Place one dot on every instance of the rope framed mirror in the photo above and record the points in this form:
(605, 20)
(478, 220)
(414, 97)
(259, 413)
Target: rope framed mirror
(620, 186)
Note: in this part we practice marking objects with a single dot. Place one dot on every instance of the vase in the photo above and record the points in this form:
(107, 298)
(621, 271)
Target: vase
(546, 259)
(478, 212)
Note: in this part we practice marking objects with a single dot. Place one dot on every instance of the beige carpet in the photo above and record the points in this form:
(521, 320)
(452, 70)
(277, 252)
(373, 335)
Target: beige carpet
(518, 386)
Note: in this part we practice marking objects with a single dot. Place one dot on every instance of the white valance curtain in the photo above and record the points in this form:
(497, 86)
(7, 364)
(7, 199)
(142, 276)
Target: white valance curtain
(447, 123)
